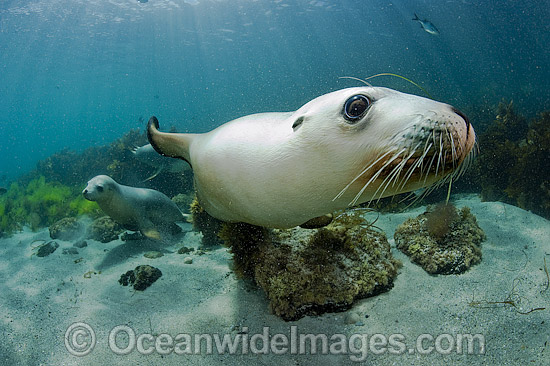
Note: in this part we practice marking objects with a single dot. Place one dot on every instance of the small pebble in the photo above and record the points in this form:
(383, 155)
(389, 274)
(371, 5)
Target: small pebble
(70, 250)
(185, 250)
(188, 260)
(46, 249)
(352, 318)
(80, 244)
(153, 254)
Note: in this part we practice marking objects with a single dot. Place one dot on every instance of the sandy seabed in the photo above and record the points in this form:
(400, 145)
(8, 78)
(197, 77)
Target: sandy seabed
(51, 306)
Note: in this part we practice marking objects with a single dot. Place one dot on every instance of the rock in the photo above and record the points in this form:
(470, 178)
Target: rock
(46, 249)
(104, 230)
(207, 225)
(153, 255)
(141, 277)
(185, 250)
(65, 229)
(80, 244)
(71, 250)
(131, 236)
(449, 251)
(188, 260)
(352, 318)
(313, 271)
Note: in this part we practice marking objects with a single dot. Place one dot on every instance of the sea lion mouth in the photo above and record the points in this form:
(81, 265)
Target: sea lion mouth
(428, 159)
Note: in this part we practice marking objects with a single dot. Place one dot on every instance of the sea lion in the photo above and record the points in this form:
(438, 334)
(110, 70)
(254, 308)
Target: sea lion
(341, 149)
(146, 154)
(137, 209)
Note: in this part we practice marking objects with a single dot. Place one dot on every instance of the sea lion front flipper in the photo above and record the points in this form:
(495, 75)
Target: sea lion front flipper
(152, 234)
(148, 229)
(317, 222)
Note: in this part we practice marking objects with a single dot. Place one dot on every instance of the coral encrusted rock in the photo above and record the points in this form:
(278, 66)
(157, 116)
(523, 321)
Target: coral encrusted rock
(442, 240)
(313, 271)
(104, 230)
(141, 277)
(65, 229)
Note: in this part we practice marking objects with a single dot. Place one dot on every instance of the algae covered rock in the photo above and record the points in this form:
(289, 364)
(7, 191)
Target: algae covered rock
(141, 277)
(46, 249)
(313, 271)
(442, 240)
(65, 229)
(206, 224)
(104, 230)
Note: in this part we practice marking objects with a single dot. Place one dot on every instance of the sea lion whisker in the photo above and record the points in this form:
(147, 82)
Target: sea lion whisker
(439, 154)
(429, 168)
(453, 149)
(360, 174)
(411, 169)
(356, 79)
(423, 156)
(410, 172)
(375, 176)
(393, 176)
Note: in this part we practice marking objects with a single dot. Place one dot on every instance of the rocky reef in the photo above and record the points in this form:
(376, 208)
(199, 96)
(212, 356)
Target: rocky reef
(442, 240)
(313, 271)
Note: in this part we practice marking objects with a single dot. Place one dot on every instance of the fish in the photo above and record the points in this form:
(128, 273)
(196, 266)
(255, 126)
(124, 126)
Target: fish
(427, 25)
(146, 154)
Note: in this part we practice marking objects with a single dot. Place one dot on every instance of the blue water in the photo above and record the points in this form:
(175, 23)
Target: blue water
(77, 73)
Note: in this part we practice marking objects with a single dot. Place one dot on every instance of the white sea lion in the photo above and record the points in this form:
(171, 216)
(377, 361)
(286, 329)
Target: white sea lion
(338, 150)
(137, 209)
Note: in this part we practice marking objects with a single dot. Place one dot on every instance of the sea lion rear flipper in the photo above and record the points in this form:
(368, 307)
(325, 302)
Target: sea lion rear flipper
(174, 145)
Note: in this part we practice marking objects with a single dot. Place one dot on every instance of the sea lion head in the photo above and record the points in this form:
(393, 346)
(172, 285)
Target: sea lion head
(99, 188)
(399, 142)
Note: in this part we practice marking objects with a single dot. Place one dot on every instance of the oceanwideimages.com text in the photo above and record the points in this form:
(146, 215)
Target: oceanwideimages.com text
(80, 340)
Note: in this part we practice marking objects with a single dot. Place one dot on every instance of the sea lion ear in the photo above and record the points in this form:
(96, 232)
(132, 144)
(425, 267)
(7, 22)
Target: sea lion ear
(173, 145)
(297, 123)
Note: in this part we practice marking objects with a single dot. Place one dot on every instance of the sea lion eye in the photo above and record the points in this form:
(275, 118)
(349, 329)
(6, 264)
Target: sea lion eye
(356, 107)
(100, 189)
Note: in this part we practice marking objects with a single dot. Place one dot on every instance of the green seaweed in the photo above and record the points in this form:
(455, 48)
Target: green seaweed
(39, 204)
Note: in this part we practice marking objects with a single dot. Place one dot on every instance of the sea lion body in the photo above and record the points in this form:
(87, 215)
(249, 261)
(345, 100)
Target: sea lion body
(137, 209)
(284, 169)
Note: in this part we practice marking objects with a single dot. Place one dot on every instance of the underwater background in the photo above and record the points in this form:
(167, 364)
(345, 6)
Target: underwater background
(80, 79)
(75, 74)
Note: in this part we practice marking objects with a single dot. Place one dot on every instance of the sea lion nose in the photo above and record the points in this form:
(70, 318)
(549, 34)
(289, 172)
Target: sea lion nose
(466, 119)
(84, 191)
